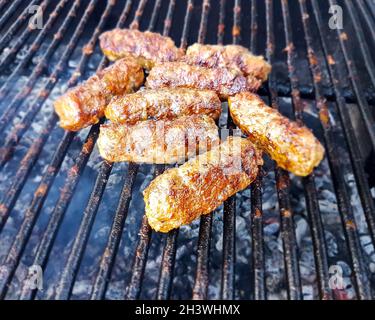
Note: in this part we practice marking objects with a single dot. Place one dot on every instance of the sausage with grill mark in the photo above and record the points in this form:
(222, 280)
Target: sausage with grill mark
(84, 104)
(181, 195)
(147, 47)
(229, 56)
(293, 147)
(163, 103)
(225, 82)
(162, 141)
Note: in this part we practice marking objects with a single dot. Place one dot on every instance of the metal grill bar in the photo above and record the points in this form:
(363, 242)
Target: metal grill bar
(355, 154)
(108, 258)
(15, 135)
(18, 246)
(229, 252)
(203, 247)
(73, 176)
(236, 29)
(18, 131)
(19, 180)
(138, 14)
(168, 19)
(371, 5)
(33, 49)
(66, 194)
(3, 3)
(254, 26)
(185, 30)
(20, 41)
(67, 279)
(314, 213)
(288, 236)
(71, 268)
(155, 14)
(317, 229)
(73, 80)
(258, 260)
(282, 183)
(12, 8)
(358, 90)
(308, 182)
(48, 178)
(229, 230)
(167, 266)
(204, 19)
(318, 238)
(361, 282)
(10, 111)
(367, 16)
(257, 238)
(169, 252)
(16, 25)
(361, 39)
(133, 290)
(221, 27)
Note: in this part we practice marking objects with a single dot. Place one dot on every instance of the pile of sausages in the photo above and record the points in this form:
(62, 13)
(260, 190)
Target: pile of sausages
(172, 119)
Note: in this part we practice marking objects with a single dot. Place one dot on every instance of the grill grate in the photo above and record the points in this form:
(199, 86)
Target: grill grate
(75, 18)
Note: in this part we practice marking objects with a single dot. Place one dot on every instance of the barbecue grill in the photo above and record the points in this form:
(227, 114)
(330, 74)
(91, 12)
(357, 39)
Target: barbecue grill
(80, 219)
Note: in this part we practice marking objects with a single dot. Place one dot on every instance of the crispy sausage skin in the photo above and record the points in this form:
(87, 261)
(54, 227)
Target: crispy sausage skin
(293, 147)
(162, 141)
(225, 82)
(163, 103)
(199, 186)
(147, 47)
(229, 56)
(84, 104)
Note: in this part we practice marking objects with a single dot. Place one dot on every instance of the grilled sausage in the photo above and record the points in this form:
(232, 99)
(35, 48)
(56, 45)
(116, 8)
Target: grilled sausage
(84, 105)
(147, 47)
(163, 104)
(199, 186)
(162, 141)
(225, 82)
(293, 147)
(229, 56)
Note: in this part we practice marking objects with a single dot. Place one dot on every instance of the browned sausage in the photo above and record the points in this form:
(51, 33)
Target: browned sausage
(225, 82)
(163, 104)
(229, 56)
(162, 141)
(84, 105)
(293, 147)
(147, 47)
(199, 186)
